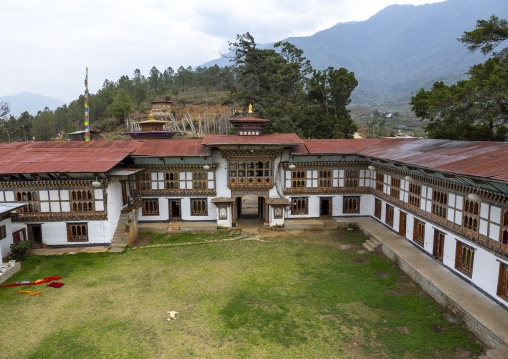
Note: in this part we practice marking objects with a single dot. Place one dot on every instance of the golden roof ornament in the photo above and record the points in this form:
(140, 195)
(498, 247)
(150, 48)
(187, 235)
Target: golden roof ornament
(250, 108)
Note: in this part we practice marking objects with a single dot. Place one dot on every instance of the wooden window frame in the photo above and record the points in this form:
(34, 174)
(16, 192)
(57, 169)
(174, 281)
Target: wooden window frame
(419, 232)
(380, 181)
(351, 178)
(298, 179)
(502, 287)
(351, 204)
(150, 206)
(145, 181)
(504, 230)
(255, 172)
(172, 180)
(199, 207)
(325, 178)
(199, 180)
(82, 200)
(75, 232)
(415, 193)
(470, 219)
(395, 187)
(464, 258)
(378, 208)
(299, 205)
(31, 198)
(390, 214)
(439, 203)
(3, 231)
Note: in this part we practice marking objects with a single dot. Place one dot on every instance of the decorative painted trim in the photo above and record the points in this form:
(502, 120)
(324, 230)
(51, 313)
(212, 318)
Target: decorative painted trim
(328, 190)
(213, 167)
(332, 165)
(54, 217)
(179, 192)
(230, 154)
(444, 224)
(61, 184)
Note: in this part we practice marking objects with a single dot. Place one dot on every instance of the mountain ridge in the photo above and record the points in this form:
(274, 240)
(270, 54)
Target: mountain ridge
(30, 102)
(400, 49)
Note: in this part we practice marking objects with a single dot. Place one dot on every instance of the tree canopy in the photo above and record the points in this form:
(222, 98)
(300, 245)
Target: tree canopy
(283, 88)
(475, 109)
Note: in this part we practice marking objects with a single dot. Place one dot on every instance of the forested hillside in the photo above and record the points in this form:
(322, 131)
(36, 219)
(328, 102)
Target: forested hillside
(117, 100)
(400, 49)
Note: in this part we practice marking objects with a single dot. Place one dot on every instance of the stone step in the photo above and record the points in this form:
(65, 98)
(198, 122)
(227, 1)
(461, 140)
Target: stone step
(372, 245)
(119, 241)
(494, 354)
(368, 246)
(503, 349)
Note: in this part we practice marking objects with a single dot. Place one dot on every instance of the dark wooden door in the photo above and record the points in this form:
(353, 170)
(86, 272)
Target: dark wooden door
(439, 238)
(325, 207)
(174, 209)
(402, 224)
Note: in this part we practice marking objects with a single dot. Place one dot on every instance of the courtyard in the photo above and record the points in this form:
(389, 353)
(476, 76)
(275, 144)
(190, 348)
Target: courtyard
(250, 294)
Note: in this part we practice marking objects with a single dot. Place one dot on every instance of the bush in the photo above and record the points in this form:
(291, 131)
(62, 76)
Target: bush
(20, 249)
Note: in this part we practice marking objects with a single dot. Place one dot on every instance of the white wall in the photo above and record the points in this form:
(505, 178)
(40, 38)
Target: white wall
(5, 244)
(272, 221)
(485, 264)
(114, 193)
(225, 222)
(221, 175)
(55, 233)
(186, 210)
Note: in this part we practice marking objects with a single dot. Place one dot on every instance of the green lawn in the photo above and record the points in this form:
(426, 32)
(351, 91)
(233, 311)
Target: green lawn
(310, 295)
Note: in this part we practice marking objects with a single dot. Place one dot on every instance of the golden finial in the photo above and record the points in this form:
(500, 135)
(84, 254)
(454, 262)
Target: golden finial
(250, 108)
(151, 118)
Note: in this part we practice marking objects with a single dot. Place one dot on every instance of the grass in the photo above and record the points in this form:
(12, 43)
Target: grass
(292, 296)
(187, 237)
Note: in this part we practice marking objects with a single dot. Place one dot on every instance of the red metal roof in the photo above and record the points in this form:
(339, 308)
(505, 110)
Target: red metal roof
(38, 157)
(290, 139)
(339, 146)
(480, 159)
(172, 147)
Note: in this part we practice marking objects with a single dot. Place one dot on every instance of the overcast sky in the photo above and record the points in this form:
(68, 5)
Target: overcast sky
(46, 45)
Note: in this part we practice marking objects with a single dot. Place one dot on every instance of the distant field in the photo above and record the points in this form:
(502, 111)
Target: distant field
(278, 295)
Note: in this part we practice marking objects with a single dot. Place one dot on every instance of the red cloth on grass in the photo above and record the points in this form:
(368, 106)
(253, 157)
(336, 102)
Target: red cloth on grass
(56, 285)
(47, 279)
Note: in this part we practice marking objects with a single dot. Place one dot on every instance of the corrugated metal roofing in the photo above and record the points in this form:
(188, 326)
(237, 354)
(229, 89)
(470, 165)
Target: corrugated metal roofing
(480, 159)
(290, 139)
(339, 146)
(41, 157)
(172, 147)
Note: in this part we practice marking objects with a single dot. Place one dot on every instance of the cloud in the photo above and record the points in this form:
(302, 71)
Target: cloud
(49, 43)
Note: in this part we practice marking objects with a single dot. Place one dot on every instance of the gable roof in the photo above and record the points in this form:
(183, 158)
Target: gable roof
(68, 156)
(288, 139)
(480, 159)
(171, 147)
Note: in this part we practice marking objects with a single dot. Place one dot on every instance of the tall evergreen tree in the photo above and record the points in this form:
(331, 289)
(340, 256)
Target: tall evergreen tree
(474, 109)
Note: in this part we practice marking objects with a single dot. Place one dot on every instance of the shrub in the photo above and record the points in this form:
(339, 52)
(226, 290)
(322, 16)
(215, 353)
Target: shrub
(20, 249)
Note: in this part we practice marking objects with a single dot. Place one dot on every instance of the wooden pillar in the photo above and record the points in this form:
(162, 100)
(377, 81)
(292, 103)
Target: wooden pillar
(233, 213)
(267, 217)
